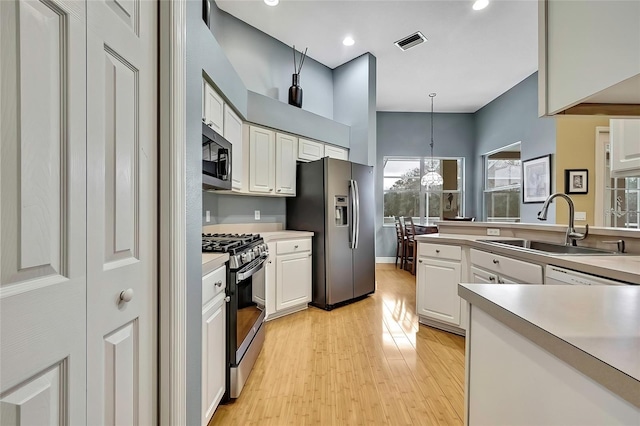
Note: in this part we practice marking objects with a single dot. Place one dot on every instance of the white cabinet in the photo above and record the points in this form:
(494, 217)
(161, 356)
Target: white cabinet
(310, 150)
(288, 277)
(286, 164)
(580, 68)
(213, 108)
(336, 152)
(213, 341)
(625, 147)
(262, 164)
(480, 276)
(233, 133)
(272, 162)
(439, 272)
(506, 269)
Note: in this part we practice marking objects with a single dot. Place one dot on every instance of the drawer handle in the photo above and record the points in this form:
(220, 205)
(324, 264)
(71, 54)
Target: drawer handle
(437, 250)
(496, 261)
(492, 278)
(218, 284)
(295, 247)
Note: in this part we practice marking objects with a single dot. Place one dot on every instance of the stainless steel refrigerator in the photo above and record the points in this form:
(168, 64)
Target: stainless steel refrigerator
(335, 200)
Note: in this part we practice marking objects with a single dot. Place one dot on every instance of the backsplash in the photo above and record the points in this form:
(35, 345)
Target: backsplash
(227, 209)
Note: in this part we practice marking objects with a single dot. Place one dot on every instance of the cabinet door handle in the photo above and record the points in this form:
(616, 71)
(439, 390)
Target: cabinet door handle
(279, 190)
(126, 295)
(218, 284)
(500, 281)
(419, 261)
(437, 250)
(492, 278)
(270, 189)
(295, 247)
(227, 299)
(496, 261)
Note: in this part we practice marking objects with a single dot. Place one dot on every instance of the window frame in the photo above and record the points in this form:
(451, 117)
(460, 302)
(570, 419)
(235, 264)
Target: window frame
(423, 194)
(490, 191)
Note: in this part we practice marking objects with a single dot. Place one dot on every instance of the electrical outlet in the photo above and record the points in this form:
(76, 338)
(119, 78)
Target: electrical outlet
(207, 216)
(493, 231)
(581, 216)
(256, 215)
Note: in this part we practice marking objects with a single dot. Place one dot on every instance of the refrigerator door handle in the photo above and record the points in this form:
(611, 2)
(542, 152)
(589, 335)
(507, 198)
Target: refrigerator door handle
(357, 224)
(352, 195)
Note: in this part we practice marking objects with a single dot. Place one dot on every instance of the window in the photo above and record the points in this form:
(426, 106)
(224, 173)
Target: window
(405, 196)
(502, 179)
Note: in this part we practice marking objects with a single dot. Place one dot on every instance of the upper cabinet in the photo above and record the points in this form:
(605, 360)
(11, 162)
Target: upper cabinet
(625, 147)
(309, 150)
(212, 108)
(336, 152)
(272, 162)
(233, 133)
(589, 57)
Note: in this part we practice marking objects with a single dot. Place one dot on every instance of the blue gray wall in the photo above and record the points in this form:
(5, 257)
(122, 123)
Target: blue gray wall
(354, 94)
(513, 117)
(226, 209)
(408, 134)
(266, 64)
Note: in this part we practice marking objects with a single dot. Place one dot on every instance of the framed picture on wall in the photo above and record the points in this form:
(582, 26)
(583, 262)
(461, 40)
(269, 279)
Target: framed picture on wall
(576, 181)
(536, 179)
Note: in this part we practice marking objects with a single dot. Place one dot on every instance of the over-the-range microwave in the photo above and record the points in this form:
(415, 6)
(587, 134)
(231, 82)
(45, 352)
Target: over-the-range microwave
(216, 160)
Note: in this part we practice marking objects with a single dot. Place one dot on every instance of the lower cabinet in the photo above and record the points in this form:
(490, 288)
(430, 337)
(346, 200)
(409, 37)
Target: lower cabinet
(439, 272)
(288, 277)
(213, 341)
(504, 270)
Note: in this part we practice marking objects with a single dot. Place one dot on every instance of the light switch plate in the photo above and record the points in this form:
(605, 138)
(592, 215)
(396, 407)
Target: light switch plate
(256, 215)
(207, 216)
(581, 216)
(493, 231)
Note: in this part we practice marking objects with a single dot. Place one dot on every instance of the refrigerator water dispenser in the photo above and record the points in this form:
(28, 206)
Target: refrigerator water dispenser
(341, 210)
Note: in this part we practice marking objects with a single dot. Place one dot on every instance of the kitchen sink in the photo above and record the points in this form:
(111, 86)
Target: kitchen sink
(550, 248)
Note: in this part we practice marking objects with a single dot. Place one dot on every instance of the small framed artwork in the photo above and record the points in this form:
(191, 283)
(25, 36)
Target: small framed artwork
(536, 179)
(576, 181)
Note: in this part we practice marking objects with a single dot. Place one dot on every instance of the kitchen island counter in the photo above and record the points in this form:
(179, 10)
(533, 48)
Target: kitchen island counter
(591, 329)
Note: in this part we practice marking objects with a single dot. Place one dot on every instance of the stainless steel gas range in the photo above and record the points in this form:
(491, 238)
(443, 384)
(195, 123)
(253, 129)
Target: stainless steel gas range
(245, 312)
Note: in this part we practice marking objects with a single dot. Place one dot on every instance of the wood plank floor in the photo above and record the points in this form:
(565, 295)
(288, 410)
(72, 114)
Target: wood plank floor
(361, 364)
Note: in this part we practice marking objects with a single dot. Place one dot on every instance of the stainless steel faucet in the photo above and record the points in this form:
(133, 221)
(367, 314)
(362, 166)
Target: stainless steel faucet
(572, 236)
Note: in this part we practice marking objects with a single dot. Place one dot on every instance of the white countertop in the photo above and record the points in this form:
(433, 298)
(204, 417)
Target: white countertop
(624, 268)
(212, 261)
(284, 234)
(595, 329)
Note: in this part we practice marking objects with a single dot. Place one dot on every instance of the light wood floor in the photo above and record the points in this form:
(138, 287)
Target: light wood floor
(364, 363)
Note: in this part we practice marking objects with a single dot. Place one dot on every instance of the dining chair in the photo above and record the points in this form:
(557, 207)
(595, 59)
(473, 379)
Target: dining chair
(400, 241)
(411, 247)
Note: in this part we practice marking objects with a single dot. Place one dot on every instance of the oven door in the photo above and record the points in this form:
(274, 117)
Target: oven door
(247, 311)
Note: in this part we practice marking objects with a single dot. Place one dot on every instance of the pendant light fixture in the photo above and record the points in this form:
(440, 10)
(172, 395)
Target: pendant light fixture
(432, 178)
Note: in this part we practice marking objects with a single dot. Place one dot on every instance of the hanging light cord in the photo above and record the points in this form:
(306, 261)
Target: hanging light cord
(431, 95)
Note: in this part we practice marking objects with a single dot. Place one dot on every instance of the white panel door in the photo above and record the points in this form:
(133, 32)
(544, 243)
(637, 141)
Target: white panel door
(286, 164)
(213, 356)
(437, 296)
(480, 276)
(335, 152)
(122, 209)
(262, 177)
(43, 227)
(625, 147)
(293, 280)
(214, 109)
(233, 133)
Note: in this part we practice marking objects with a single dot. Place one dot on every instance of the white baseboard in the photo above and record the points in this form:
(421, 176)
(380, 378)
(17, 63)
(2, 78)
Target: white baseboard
(386, 260)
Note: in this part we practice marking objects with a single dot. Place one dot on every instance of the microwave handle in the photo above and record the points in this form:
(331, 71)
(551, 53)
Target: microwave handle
(223, 153)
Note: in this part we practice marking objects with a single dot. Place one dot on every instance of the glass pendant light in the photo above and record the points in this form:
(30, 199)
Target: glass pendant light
(432, 178)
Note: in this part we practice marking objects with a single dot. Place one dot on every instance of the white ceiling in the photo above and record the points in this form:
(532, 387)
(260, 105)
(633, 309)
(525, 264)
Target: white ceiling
(470, 58)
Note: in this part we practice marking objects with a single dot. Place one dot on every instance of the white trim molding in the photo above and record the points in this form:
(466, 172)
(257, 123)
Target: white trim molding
(173, 277)
(602, 138)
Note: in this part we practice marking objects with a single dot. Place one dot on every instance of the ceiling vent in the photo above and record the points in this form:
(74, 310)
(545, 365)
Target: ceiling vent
(411, 41)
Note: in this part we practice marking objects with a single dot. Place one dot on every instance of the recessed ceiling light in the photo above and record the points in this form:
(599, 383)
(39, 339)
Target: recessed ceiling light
(478, 5)
(348, 41)
(271, 2)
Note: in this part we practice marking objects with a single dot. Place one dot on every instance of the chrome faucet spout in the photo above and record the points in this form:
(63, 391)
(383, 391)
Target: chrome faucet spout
(572, 235)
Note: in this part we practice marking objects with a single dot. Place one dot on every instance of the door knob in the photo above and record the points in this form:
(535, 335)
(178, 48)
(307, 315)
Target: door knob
(419, 261)
(437, 251)
(496, 261)
(227, 299)
(126, 295)
(218, 284)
